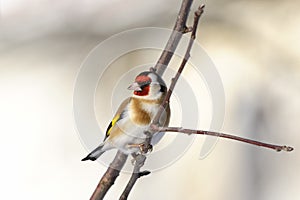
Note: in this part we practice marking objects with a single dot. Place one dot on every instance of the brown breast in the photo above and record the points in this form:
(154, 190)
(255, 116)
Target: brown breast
(141, 117)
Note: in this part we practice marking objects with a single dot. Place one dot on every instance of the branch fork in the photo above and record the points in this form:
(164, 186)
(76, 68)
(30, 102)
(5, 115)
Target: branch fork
(154, 127)
(138, 161)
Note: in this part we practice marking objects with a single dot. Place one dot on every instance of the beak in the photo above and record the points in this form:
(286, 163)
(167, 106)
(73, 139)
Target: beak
(135, 86)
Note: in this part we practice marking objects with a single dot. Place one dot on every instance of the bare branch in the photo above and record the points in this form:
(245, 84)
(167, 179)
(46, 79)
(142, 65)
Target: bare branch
(146, 145)
(223, 135)
(140, 160)
(197, 16)
(111, 174)
(179, 29)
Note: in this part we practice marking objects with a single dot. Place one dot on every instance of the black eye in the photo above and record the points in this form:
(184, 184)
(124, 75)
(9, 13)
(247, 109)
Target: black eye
(144, 84)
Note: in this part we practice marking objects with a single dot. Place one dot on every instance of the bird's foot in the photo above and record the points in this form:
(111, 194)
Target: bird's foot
(144, 147)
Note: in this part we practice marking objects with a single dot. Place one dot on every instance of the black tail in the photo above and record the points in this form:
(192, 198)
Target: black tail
(96, 153)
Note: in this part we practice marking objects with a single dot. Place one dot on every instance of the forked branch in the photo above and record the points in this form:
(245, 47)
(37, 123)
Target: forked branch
(139, 163)
(180, 28)
(111, 174)
(166, 101)
(154, 128)
(117, 164)
(140, 160)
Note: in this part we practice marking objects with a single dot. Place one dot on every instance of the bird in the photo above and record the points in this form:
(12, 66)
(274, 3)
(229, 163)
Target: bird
(134, 116)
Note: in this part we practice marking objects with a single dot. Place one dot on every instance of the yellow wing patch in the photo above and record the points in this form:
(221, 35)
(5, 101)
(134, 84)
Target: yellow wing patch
(111, 125)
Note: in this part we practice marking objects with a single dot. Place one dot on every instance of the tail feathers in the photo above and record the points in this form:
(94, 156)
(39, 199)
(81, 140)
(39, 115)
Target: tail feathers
(96, 153)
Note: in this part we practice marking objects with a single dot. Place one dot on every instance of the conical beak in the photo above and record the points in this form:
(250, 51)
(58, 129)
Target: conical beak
(135, 86)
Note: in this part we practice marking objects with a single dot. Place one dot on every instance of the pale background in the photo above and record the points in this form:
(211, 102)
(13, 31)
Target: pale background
(254, 45)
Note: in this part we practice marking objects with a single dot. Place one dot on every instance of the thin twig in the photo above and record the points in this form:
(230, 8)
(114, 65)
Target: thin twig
(111, 174)
(140, 160)
(135, 176)
(166, 101)
(223, 135)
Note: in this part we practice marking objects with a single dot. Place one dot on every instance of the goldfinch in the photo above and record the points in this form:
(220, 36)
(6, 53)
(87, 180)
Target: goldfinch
(134, 116)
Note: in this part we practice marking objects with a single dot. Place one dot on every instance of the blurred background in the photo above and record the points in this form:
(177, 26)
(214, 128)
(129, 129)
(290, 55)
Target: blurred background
(254, 45)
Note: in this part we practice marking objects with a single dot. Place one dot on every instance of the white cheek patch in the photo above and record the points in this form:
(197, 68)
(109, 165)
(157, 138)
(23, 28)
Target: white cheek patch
(154, 92)
(154, 89)
(153, 77)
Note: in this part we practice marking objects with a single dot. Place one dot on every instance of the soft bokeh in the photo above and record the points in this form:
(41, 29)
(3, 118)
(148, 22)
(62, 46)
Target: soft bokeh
(255, 46)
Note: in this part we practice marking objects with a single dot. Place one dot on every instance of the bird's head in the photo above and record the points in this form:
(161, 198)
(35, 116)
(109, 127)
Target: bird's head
(148, 85)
